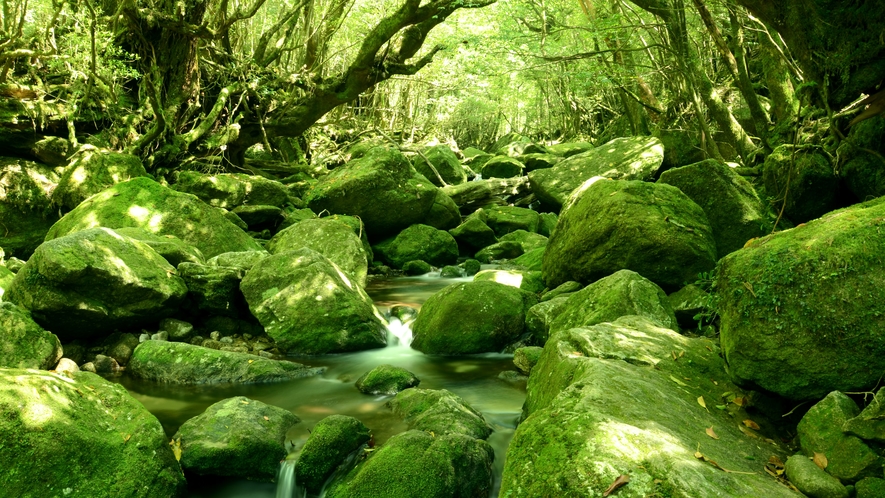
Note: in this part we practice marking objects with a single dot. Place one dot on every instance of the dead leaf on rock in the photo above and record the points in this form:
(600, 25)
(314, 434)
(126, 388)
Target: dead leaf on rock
(703, 403)
(752, 425)
(620, 481)
(709, 431)
(740, 401)
(820, 460)
(176, 448)
(266, 417)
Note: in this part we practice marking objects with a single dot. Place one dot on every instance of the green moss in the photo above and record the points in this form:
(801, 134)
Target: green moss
(386, 379)
(439, 412)
(331, 440)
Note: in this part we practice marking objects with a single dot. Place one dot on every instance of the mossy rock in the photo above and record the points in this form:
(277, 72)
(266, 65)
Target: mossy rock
(423, 242)
(734, 210)
(633, 158)
(180, 363)
(611, 380)
(237, 437)
(502, 167)
(569, 149)
(688, 302)
(812, 480)
(80, 435)
(91, 171)
(224, 190)
(444, 214)
(546, 223)
(242, 261)
(439, 412)
(799, 309)
(329, 237)
(417, 464)
(509, 249)
(539, 161)
(563, 289)
(805, 178)
(505, 219)
(652, 229)
(444, 161)
(529, 281)
(473, 233)
(381, 188)
(174, 250)
(820, 431)
(386, 379)
(621, 294)
(532, 260)
(539, 317)
(417, 267)
(212, 290)
(308, 307)
(25, 205)
(331, 440)
(870, 487)
(472, 317)
(144, 203)
(526, 358)
(91, 282)
(23, 343)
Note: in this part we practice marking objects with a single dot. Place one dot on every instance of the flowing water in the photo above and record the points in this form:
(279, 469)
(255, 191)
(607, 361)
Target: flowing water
(474, 378)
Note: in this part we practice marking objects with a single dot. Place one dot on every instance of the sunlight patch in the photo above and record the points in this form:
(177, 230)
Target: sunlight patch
(36, 414)
(139, 213)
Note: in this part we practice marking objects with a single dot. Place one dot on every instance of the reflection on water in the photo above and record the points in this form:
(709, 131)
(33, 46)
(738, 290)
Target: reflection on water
(474, 378)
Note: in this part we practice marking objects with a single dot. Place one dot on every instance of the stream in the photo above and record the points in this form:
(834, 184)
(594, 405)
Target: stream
(474, 378)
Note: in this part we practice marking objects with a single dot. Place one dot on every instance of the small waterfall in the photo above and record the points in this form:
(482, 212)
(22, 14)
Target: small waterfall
(399, 333)
(286, 485)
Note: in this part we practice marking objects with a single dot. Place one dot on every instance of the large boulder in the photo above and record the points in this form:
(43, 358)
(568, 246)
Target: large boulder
(212, 290)
(386, 379)
(444, 161)
(230, 190)
(80, 435)
(620, 294)
(802, 181)
(144, 203)
(423, 242)
(89, 283)
(734, 209)
(424, 465)
(180, 363)
(329, 237)
(633, 158)
(91, 171)
(308, 305)
(652, 229)
(799, 309)
(502, 167)
(506, 219)
(381, 187)
(331, 440)
(473, 233)
(173, 249)
(472, 317)
(25, 205)
(23, 343)
(610, 400)
(238, 437)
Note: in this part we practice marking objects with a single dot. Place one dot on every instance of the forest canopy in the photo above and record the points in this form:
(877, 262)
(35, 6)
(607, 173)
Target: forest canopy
(205, 81)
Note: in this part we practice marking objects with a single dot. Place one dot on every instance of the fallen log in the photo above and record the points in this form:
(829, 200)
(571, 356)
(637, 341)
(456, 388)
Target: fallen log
(481, 192)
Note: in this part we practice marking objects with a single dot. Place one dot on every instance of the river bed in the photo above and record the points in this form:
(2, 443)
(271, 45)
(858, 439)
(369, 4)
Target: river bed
(474, 378)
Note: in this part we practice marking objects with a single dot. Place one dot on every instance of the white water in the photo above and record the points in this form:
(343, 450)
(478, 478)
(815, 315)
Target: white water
(399, 333)
(286, 485)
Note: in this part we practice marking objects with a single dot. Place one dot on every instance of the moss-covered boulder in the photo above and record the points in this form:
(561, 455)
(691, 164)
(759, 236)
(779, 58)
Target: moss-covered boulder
(569, 149)
(180, 363)
(238, 437)
(539, 317)
(652, 229)
(800, 309)
(258, 216)
(417, 464)
(473, 233)
(23, 343)
(472, 317)
(381, 187)
(440, 412)
(25, 205)
(532, 260)
(870, 487)
(539, 161)
(212, 290)
(870, 424)
(423, 242)
(80, 435)
(546, 223)
(444, 161)
(610, 400)
(243, 261)
(813, 480)
(6, 278)
(223, 190)
(505, 219)
(633, 158)
(804, 178)
(508, 249)
(525, 359)
(734, 209)
(329, 237)
(820, 431)
(92, 170)
(89, 283)
(308, 306)
(386, 379)
(331, 440)
(502, 167)
(444, 213)
(417, 267)
(144, 203)
(620, 294)
(688, 302)
(173, 249)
